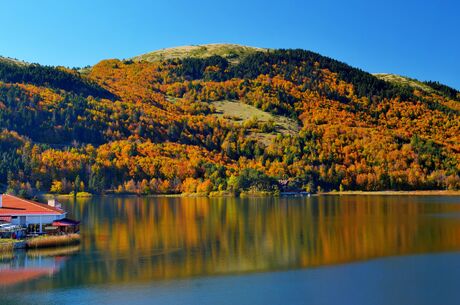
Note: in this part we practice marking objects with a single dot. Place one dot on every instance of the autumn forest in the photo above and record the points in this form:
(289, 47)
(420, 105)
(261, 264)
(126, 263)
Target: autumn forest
(256, 121)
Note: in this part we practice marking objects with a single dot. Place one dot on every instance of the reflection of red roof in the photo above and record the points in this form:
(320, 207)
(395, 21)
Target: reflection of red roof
(12, 206)
(12, 277)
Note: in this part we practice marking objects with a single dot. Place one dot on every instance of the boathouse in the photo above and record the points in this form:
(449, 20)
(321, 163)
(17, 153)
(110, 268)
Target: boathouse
(25, 213)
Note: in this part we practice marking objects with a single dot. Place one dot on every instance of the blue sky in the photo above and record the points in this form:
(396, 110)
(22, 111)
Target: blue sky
(419, 39)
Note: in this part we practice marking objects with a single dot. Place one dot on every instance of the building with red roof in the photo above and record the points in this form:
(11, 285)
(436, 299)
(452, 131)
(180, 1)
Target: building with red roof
(24, 212)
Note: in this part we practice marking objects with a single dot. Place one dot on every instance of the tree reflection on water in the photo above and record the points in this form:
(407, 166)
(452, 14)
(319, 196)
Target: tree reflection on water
(129, 239)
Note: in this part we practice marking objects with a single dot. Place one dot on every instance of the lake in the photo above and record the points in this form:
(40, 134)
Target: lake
(351, 249)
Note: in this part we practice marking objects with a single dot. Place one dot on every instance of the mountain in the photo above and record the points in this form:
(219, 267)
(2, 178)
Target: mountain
(218, 118)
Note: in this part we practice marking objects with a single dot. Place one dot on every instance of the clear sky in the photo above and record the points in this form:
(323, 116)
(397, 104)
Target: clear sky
(420, 39)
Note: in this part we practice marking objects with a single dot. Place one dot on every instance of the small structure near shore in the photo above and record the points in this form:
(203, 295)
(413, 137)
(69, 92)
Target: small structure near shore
(33, 215)
(63, 226)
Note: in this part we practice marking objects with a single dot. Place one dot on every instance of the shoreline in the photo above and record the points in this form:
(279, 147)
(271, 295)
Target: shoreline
(246, 194)
(392, 193)
(54, 241)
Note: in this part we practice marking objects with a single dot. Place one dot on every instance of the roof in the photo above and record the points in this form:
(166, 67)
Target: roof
(66, 222)
(15, 206)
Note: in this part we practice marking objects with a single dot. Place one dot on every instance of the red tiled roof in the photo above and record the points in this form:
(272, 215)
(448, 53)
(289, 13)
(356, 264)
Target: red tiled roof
(13, 206)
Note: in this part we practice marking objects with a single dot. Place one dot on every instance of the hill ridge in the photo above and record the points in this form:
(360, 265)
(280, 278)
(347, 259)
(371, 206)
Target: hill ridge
(231, 51)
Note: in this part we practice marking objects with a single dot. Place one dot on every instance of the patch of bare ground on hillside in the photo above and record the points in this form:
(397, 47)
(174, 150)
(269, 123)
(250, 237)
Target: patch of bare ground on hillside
(244, 114)
(405, 81)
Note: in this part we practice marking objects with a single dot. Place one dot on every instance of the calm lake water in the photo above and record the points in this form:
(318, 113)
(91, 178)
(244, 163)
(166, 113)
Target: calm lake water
(317, 250)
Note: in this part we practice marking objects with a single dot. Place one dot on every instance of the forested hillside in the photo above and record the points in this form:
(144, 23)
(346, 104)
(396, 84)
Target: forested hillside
(260, 120)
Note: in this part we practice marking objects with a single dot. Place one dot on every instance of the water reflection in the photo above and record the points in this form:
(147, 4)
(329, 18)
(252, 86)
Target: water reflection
(22, 267)
(158, 238)
(143, 239)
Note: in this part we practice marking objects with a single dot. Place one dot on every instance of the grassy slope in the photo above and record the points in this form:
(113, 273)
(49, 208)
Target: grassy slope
(13, 61)
(402, 80)
(239, 113)
(416, 84)
(232, 52)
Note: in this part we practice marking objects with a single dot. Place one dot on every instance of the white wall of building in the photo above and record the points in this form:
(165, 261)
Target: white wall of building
(37, 219)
